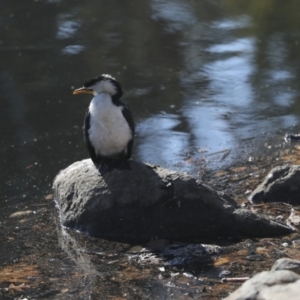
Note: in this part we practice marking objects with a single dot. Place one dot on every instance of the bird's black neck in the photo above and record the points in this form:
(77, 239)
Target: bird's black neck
(116, 99)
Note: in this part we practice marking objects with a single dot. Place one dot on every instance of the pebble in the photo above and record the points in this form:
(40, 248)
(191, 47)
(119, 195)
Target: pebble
(224, 273)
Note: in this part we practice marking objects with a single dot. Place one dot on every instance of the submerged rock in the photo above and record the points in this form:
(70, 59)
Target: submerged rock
(280, 185)
(145, 201)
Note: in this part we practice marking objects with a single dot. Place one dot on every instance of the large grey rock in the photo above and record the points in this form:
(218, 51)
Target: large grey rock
(146, 201)
(269, 285)
(282, 184)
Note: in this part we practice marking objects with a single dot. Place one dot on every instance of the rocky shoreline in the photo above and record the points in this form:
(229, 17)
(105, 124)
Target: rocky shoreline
(145, 201)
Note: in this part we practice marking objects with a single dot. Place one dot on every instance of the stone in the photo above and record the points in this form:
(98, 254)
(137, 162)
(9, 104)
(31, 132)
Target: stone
(280, 185)
(144, 201)
(269, 285)
(287, 264)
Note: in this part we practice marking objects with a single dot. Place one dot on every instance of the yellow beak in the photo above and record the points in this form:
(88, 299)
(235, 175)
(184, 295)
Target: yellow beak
(83, 90)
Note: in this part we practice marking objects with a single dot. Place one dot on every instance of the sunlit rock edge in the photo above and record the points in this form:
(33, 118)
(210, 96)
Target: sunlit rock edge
(282, 282)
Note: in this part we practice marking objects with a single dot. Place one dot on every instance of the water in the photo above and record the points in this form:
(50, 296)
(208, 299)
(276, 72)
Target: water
(201, 77)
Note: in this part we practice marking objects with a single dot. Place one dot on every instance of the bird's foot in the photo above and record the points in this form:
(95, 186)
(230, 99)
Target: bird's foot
(109, 165)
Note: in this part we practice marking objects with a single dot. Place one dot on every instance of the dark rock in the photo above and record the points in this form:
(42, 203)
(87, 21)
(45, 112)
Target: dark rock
(287, 264)
(269, 285)
(145, 201)
(280, 185)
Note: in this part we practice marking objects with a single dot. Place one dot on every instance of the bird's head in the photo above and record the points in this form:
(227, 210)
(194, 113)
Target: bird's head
(101, 84)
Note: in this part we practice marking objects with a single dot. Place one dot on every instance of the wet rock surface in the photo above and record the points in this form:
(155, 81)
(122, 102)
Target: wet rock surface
(280, 185)
(145, 201)
(279, 283)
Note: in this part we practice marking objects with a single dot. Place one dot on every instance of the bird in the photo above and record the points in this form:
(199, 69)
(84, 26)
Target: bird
(108, 125)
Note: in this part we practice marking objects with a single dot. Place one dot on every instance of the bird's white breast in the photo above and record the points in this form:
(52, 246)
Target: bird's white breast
(109, 132)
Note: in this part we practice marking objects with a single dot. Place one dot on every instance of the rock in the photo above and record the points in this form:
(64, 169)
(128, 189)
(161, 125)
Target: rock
(287, 264)
(145, 201)
(280, 185)
(269, 285)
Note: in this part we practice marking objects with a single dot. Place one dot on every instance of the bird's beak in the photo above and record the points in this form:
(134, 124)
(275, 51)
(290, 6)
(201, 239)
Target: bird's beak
(83, 90)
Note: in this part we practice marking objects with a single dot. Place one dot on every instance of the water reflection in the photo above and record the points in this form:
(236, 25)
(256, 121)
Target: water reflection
(210, 131)
(220, 77)
(244, 45)
(72, 49)
(224, 75)
(229, 80)
(176, 14)
(237, 22)
(159, 141)
(66, 29)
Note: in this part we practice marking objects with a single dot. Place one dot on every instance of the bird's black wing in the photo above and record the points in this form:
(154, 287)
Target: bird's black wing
(86, 126)
(128, 117)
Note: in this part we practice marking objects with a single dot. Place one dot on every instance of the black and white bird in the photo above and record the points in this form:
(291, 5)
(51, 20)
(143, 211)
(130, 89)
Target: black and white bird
(108, 126)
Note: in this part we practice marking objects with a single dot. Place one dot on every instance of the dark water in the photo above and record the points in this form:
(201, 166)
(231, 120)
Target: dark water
(201, 77)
